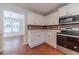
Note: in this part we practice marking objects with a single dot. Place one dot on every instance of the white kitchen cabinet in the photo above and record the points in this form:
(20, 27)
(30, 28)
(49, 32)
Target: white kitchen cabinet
(52, 19)
(73, 8)
(35, 38)
(52, 38)
(69, 9)
(63, 11)
(34, 19)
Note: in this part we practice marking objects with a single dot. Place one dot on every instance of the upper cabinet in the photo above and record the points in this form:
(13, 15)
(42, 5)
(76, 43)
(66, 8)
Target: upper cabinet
(63, 11)
(73, 8)
(69, 9)
(52, 19)
(34, 19)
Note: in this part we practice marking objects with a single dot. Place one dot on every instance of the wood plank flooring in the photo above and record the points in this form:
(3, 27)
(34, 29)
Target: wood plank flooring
(15, 46)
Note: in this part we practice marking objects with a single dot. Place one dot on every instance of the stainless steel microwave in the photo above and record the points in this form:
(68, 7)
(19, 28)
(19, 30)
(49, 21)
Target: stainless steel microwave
(69, 19)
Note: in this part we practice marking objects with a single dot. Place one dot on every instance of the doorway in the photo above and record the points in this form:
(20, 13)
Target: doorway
(13, 31)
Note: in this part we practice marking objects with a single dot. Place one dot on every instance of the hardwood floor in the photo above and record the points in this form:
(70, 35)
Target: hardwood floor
(14, 46)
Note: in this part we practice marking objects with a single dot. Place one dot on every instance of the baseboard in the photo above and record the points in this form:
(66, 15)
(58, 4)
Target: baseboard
(25, 43)
(14, 36)
(50, 45)
(36, 45)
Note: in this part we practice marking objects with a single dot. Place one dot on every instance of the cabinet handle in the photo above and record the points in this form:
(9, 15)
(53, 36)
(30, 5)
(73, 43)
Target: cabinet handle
(75, 47)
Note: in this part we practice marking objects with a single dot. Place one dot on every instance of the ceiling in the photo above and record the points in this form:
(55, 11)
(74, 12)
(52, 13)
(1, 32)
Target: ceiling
(42, 8)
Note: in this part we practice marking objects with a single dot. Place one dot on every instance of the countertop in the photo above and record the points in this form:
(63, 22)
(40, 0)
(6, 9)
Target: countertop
(68, 35)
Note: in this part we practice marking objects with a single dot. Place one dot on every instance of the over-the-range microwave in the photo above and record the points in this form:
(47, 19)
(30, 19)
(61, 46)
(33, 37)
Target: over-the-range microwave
(69, 19)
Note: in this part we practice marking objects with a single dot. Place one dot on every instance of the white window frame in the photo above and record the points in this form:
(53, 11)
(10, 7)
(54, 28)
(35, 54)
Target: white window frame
(12, 19)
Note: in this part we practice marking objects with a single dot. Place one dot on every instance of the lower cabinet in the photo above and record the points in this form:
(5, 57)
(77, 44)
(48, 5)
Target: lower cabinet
(51, 38)
(35, 38)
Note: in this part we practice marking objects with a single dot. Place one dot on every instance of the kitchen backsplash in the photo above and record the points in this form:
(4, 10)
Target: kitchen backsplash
(74, 27)
(46, 27)
(54, 27)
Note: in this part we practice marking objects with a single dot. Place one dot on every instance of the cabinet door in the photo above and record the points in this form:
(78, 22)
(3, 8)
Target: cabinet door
(31, 18)
(31, 37)
(73, 8)
(51, 40)
(40, 21)
(41, 37)
(63, 11)
(35, 38)
(45, 36)
(53, 19)
(46, 20)
(69, 9)
(34, 19)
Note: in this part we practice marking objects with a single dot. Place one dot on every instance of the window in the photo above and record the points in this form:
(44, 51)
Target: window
(11, 22)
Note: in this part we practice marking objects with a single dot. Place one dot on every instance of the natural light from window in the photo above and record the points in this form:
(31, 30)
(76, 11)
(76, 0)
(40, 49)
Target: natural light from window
(11, 22)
